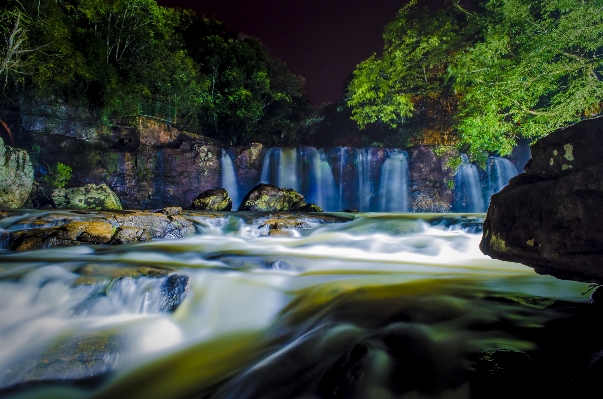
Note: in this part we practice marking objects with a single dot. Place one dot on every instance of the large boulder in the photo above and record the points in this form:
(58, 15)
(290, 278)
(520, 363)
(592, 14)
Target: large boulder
(90, 196)
(216, 199)
(430, 178)
(16, 176)
(550, 217)
(269, 198)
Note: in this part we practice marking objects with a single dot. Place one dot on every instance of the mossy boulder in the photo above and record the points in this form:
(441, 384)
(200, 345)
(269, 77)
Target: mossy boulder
(16, 176)
(216, 199)
(90, 196)
(269, 198)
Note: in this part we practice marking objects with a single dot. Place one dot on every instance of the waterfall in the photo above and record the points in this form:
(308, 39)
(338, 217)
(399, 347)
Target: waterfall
(321, 187)
(469, 197)
(363, 168)
(500, 171)
(288, 169)
(229, 179)
(264, 176)
(393, 185)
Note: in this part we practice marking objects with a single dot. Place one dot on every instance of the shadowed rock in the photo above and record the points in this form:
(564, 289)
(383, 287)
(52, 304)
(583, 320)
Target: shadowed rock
(550, 217)
(90, 196)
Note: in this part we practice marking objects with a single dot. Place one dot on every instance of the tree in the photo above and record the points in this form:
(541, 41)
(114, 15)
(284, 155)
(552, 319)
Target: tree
(538, 68)
(513, 68)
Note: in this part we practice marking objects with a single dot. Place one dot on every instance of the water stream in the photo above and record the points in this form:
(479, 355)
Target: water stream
(374, 306)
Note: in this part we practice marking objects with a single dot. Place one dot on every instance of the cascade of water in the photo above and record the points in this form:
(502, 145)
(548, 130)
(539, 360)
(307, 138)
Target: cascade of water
(469, 197)
(229, 179)
(288, 169)
(264, 176)
(321, 184)
(363, 167)
(500, 171)
(393, 185)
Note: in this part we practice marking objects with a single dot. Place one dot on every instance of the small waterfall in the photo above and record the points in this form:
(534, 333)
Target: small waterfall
(288, 169)
(264, 176)
(500, 171)
(322, 189)
(363, 167)
(469, 197)
(393, 185)
(229, 179)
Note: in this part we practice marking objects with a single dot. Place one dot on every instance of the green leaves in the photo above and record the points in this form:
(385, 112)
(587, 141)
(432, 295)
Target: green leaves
(519, 68)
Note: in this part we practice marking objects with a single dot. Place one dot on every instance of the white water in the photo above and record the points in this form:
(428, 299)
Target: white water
(363, 167)
(267, 310)
(288, 170)
(229, 179)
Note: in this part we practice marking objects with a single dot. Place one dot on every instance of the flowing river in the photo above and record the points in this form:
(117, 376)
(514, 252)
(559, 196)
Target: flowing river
(374, 306)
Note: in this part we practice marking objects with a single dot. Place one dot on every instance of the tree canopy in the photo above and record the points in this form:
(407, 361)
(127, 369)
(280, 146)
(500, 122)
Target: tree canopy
(506, 69)
(109, 56)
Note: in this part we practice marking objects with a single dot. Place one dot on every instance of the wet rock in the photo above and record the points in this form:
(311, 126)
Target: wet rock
(216, 199)
(84, 359)
(269, 198)
(311, 208)
(173, 291)
(502, 374)
(596, 298)
(113, 272)
(550, 217)
(128, 234)
(39, 198)
(296, 220)
(158, 225)
(75, 233)
(341, 380)
(16, 176)
(90, 196)
(171, 210)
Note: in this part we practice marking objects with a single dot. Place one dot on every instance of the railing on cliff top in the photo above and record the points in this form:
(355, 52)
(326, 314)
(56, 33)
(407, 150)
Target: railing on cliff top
(163, 112)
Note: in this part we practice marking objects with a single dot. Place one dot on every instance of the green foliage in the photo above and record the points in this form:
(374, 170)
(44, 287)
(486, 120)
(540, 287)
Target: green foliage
(454, 164)
(59, 175)
(108, 56)
(512, 69)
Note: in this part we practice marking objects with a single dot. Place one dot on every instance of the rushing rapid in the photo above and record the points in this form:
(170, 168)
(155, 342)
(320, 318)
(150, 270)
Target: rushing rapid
(373, 305)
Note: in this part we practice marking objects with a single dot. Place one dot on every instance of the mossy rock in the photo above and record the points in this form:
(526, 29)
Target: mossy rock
(90, 196)
(216, 199)
(269, 198)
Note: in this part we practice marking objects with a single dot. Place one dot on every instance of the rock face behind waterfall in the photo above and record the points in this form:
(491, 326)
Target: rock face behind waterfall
(16, 176)
(551, 217)
(428, 191)
(268, 198)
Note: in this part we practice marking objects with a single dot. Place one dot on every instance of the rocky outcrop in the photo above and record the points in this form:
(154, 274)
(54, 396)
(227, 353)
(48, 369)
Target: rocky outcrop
(430, 185)
(269, 198)
(216, 199)
(550, 216)
(16, 176)
(90, 196)
(97, 228)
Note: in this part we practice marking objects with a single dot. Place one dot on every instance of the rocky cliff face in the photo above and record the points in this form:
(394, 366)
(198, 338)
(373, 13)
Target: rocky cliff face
(429, 190)
(16, 176)
(550, 217)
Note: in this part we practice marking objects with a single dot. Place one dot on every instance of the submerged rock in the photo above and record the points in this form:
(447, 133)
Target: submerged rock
(84, 359)
(90, 196)
(550, 217)
(173, 291)
(16, 176)
(216, 199)
(269, 198)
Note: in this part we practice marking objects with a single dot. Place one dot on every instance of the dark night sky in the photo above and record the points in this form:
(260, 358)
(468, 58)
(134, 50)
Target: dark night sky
(322, 40)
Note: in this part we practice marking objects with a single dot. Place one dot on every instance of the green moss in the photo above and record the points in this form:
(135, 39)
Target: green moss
(59, 175)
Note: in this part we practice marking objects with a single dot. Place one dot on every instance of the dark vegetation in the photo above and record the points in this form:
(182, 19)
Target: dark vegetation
(113, 57)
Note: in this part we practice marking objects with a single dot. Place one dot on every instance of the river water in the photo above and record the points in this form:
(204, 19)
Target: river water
(377, 306)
